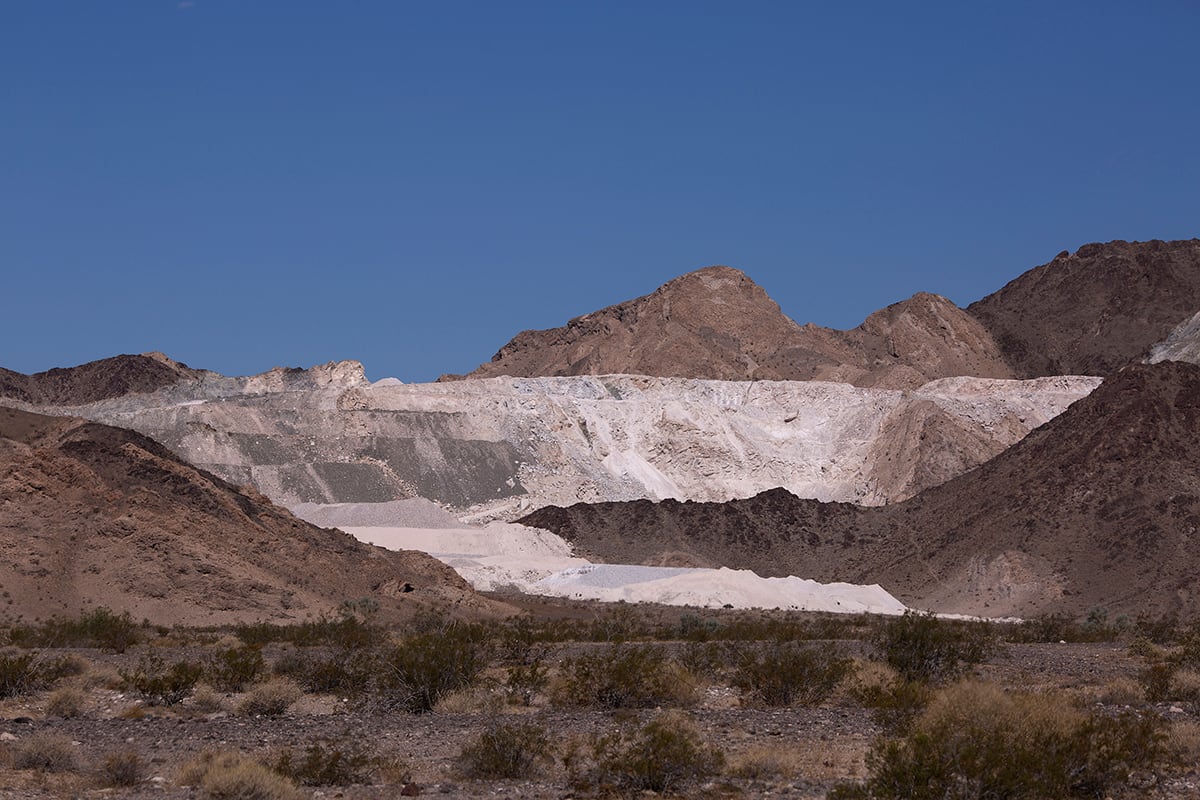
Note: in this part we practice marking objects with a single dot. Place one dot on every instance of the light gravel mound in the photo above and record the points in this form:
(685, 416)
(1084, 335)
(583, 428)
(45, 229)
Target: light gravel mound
(516, 558)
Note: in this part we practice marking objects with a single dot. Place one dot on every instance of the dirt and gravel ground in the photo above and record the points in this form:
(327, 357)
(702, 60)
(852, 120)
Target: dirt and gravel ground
(805, 750)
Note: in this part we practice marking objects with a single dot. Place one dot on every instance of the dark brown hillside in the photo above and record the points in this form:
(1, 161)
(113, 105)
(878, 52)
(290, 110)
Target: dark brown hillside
(96, 380)
(1100, 507)
(1094, 310)
(92, 515)
(718, 324)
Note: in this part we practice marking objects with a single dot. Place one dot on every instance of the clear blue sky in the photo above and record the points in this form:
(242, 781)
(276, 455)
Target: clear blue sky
(249, 184)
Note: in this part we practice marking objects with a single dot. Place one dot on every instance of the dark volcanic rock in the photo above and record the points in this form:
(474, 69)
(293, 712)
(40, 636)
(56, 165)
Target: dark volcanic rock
(1099, 507)
(96, 380)
(1094, 310)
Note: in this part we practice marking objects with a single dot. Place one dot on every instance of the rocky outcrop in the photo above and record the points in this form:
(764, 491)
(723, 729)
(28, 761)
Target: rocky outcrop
(94, 516)
(1092, 311)
(96, 380)
(718, 324)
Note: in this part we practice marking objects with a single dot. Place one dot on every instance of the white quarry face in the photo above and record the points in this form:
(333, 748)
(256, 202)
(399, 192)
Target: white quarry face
(500, 447)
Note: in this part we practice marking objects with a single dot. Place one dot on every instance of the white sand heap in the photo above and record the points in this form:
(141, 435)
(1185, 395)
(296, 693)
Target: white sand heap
(510, 557)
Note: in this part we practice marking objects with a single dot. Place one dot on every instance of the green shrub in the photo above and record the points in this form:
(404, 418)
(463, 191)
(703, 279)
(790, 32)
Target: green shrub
(922, 647)
(625, 676)
(159, 684)
(233, 668)
(787, 673)
(100, 628)
(122, 769)
(348, 674)
(424, 668)
(31, 672)
(328, 764)
(975, 740)
(661, 756)
(348, 633)
(525, 681)
(506, 751)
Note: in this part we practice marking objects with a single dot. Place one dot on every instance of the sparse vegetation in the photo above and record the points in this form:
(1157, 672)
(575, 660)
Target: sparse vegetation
(270, 699)
(232, 669)
(67, 703)
(661, 756)
(123, 769)
(625, 676)
(787, 673)
(514, 750)
(976, 740)
(425, 667)
(922, 647)
(159, 684)
(340, 763)
(47, 752)
(100, 628)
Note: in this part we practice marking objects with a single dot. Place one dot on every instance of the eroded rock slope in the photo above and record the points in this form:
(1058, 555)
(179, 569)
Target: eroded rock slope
(500, 447)
(716, 323)
(92, 515)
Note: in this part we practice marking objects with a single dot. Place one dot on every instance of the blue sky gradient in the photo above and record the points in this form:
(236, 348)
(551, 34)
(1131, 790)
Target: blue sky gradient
(250, 184)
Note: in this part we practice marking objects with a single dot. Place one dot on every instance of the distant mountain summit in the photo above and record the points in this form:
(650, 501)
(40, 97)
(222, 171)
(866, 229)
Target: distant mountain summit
(716, 323)
(1092, 311)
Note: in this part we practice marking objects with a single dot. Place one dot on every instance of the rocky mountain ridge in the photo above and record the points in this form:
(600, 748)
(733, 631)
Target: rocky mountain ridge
(716, 323)
(92, 515)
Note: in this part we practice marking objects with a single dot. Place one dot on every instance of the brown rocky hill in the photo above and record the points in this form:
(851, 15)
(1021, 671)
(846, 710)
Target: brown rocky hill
(716, 323)
(92, 516)
(96, 380)
(1099, 507)
(1094, 310)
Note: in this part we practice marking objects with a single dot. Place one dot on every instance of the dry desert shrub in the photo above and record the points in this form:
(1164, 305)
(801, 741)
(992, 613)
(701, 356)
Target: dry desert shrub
(67, 702)
(233, 776)
(270, 699)
(122, 769)
(46, 752)
(625, 676)
(922, 647)
(510, 751)
(1121, 691)
(232, 669)
(1183, 741)
(472, 700)
(765, 762)
(160, 685)
(426, 667)
(206, 700)
(976, 740)
(788, 673)
(662, 756)
(339, 763)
